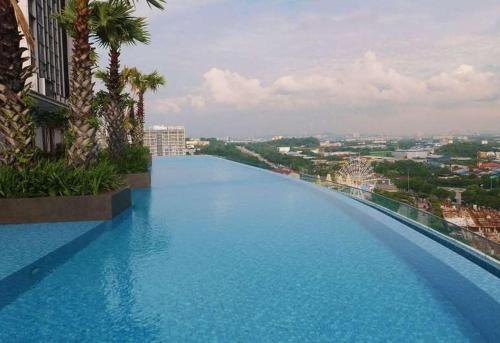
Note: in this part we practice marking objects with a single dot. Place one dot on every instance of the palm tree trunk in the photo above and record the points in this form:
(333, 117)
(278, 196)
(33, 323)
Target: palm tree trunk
(138, 131)
(16, 127)
(82, 147)
(132, 121)
(115, 113)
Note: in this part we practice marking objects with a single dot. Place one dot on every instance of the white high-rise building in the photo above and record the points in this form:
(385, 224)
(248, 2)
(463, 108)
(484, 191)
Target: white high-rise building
(166, 140)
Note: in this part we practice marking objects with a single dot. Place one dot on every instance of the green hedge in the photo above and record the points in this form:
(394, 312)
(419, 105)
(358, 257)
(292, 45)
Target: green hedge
(55, 178)
(134, 159)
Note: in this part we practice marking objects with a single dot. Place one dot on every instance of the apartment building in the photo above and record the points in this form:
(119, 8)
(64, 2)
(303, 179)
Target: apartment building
(166, 140)
(50, 57)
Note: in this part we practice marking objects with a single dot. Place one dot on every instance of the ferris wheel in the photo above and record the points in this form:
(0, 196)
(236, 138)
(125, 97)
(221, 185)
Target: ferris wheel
(357, 173)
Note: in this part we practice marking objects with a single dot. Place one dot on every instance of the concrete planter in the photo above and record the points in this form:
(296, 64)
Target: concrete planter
(65, 208)
(138, 180)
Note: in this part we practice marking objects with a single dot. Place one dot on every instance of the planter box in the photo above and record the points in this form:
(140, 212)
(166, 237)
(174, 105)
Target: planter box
(64, 208)
(138, 180)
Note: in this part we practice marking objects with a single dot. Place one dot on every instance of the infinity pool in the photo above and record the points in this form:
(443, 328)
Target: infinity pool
(221, 252)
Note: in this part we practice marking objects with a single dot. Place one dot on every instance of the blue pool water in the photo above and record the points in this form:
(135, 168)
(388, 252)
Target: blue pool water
(221, 252)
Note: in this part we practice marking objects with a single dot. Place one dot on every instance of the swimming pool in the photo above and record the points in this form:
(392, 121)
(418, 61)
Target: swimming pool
(218, 251)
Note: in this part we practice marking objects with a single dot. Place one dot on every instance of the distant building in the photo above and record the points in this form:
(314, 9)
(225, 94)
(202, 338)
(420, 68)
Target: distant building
(489, 165)
(445, 140)
(485, 222)
(166, 140)
(197, 143)
(328, 144)
(194, 144)
(338, 154)
(488, 155)
(411, 154)
(284, 149)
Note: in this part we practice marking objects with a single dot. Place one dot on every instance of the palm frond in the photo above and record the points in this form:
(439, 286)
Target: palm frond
(151, 3)
(102, 75)
(113, 24)
(23, 23)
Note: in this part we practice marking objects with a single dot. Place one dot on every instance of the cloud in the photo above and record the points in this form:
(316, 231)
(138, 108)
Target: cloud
(169, 105)
(225, 87)
(175, 104)
(464, 84)
(367, 82)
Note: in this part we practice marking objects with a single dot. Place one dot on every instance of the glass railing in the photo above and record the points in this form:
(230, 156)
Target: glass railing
(429, 220)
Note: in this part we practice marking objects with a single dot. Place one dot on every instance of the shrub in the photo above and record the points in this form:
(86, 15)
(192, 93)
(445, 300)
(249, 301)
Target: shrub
(134, 159)
(55, 178)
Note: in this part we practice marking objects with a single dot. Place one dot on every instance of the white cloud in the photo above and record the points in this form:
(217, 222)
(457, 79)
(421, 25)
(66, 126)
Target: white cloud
(169, 105)
(198, 102)
(230, 88)
(175, 104)
(464, 84)
(367, 82)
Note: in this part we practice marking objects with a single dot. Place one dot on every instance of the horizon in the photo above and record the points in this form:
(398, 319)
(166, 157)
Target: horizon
(240, 68)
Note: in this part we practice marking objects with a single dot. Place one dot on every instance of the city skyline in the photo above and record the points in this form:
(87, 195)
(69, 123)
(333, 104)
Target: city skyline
(257, 68)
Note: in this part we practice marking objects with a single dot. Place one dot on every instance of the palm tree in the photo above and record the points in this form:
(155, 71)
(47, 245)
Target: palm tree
(127, 104)
(140, 83)
(16, 127)
(114, 26)
(76, 16)
(75, 19)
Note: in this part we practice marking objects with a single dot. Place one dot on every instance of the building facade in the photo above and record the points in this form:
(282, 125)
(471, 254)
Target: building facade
(166, 140)
(50, 57)
(411, 154)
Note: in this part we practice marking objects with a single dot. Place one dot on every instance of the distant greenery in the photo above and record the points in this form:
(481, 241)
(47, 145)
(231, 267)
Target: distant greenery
(134, 159)
(401, 168)
(231, 152)
(398, 196)
(49, 178)
(307, 142)
(269, 151)
(425, 181)
(380, 153)
(482, 197)
(406, 143)
(464, 149)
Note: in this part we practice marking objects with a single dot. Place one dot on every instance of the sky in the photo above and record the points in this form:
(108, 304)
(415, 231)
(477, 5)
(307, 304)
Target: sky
(251, 68)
